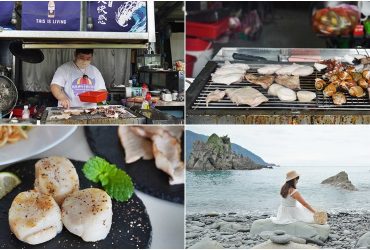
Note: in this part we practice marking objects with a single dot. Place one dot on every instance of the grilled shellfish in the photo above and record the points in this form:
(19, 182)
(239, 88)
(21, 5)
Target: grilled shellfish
(356, 91)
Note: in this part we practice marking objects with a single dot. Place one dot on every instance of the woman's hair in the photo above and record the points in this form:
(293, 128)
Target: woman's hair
(285, 188)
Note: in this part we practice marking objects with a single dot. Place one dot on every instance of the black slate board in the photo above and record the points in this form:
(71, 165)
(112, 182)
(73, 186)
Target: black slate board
(131, 226)
(104, 142)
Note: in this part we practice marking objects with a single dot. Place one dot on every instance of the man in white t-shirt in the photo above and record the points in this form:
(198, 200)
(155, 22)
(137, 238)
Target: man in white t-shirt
(76, 77)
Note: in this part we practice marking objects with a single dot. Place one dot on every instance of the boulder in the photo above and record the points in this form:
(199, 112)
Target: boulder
(298, 229)
(207, 243)
(340, 180)
(291, 245)
(364, 241)
(228, 227)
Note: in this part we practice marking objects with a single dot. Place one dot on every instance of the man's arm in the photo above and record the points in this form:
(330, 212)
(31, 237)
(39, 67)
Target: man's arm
(59, 94)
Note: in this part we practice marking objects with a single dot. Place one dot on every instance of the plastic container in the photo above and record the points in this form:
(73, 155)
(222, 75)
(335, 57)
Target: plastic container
(18, 110)
(93, 96)
(190, 61)
(201, 50)
(207, 30)
(25, 113)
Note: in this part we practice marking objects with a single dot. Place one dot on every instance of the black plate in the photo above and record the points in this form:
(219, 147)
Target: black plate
(104, 142)
(131, 226)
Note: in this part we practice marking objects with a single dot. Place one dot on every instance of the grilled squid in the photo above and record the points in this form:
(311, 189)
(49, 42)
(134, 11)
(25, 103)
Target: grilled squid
(339, 98)
(344, 76)
(330, 90)
(366, 74)
(320, 84)
(363, 83)
(356, 91)
(346, 85)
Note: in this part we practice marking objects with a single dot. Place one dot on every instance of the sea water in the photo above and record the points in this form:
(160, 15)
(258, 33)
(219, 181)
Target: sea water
(257, 191)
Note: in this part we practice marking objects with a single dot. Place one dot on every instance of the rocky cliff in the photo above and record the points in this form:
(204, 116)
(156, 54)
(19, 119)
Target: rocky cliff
(216, 154)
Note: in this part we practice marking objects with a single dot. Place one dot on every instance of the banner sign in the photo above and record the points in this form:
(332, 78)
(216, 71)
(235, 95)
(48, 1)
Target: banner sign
(51, 15)
(6, 9)
(118, 16)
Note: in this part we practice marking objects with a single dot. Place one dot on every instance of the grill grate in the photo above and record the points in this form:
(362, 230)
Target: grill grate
(307, 83)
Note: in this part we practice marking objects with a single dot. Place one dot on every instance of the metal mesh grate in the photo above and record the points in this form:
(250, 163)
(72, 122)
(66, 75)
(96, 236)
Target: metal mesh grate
(307, 83)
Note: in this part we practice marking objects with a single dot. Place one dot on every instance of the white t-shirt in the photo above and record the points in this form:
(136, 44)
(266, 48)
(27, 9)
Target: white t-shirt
(69, 77)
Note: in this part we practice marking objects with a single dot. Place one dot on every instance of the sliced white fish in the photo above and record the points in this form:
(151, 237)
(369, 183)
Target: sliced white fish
(288, 70)
(286, 95)
(269, 69)
(303, 71)
(306, 96)
(165, 144)
(247, 95)
(215, 96)
(136, 146)
(229, 70)
(274, 89)
(57, 177)
(243, 66)
(227, 79)
(88, 213)
(320, 66)
(34, 217)
(167, 154)
(291, 82)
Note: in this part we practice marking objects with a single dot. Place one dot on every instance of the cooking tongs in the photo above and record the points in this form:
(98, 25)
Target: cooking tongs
(251, 58)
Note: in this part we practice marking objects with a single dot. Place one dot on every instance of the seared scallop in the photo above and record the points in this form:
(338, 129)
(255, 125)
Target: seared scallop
(35, 217)
(56, 176)
(88, 214)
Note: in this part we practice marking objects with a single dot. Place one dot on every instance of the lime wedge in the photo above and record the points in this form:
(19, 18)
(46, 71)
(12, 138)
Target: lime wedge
(8, 182)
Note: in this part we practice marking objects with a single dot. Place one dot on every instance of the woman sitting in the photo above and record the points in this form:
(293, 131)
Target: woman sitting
(290, 210)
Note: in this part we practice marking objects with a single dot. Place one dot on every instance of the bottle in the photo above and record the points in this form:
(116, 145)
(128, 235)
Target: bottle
(147, 101)
(51, 9)
(25, 113)
(145, 90)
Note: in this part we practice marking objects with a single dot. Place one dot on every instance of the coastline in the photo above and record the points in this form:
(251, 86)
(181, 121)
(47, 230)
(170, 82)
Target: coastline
(231, 229)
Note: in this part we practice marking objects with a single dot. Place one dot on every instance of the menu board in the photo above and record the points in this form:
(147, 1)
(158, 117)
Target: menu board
(51, 15)
(118, 16)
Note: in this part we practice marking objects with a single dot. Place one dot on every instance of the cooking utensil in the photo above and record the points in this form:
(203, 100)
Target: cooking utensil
(245, 57)
(8, 95)
(26, 55)
(131, 226)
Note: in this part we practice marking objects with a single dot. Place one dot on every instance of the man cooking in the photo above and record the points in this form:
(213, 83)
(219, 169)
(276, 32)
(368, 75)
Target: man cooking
(76, 77)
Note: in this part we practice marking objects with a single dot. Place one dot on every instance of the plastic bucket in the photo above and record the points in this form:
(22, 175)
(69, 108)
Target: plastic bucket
(190, 61)
(200, 49)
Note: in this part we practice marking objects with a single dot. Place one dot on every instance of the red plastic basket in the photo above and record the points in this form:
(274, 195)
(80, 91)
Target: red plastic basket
(207, 30)
(93, 96)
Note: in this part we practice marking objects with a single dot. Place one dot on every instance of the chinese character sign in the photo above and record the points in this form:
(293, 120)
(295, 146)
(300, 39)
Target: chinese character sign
(6, 9)
(120, 16)
(51, 15)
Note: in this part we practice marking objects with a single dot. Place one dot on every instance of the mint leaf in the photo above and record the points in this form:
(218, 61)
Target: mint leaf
(119, 185)
(115, 181)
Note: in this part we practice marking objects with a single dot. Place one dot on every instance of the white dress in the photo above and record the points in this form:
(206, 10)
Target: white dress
(291, 211)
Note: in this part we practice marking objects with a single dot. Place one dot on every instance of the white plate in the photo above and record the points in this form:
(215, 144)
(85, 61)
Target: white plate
(40, 139)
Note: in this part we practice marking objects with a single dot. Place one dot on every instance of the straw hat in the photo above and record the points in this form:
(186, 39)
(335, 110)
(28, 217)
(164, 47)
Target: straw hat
(291, 175)
(320, 217)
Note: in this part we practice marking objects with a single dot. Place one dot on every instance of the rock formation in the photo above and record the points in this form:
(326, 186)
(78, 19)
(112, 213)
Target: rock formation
(310, 232)
(216, 154)
(340, 180)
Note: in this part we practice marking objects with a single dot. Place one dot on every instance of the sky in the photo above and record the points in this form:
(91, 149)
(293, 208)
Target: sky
(288, 145)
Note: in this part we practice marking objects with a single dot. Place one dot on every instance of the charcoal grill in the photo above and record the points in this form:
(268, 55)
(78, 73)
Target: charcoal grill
(321, 110)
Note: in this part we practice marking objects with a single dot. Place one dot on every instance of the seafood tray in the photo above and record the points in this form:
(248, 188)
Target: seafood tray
(205, 86)
(128, 117)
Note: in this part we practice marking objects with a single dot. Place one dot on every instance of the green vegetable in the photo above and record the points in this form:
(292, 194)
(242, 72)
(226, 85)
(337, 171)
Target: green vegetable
(115, 181)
